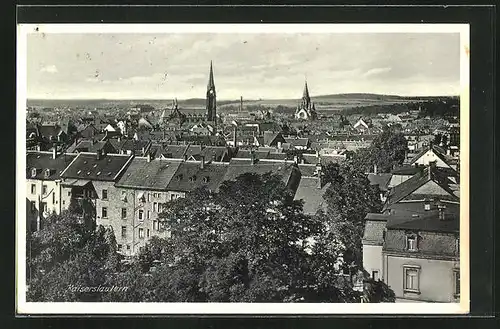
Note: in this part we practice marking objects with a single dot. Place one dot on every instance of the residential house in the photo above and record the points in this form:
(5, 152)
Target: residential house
(91, 177)
(43, 184)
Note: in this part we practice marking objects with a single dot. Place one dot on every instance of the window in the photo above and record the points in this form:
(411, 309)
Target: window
(119, 247)
(149, 214)
(44, 189)
(124, 196)
(456, 283)
(155, 225)
(124, 232)
(33, 206)
(155, 207)
(411, 243)
(53, 198)
(33, 189)
(124, 213)
(375, 275)
(33, 172)
(128, 247)
(104, 194)
(206, 179)
(141, 214)
(47, 173)
(69, 193)
(141, 233)
(149, 197)
(147, 233)
(411, 278)
(457, 246)
(104, 212)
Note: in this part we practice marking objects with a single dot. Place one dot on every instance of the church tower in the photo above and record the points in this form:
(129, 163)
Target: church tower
(306, 109)
(211, 97)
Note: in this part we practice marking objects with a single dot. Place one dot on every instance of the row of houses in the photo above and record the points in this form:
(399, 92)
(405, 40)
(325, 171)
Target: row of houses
(413, 244)
(127, 192)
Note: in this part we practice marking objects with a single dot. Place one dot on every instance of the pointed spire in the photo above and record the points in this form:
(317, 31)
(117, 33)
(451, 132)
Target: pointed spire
(176, 105)
(211, 83)
(306, 92)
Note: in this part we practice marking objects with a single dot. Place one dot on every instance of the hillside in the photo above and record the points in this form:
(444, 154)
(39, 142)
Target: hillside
(323, 102)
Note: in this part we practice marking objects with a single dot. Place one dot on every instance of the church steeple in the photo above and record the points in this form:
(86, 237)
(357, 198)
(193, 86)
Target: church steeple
(211, 84)
(306, 100)
(211, 98)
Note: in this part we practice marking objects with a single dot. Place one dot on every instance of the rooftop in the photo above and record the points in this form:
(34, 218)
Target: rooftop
(155, 174)
(43, 161)
(89, 166)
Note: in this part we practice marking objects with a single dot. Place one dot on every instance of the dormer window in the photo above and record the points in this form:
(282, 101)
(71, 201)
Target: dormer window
(33, 172)
(206, 179)
(179, 177)
(412, 242)
(192, 178)
(427, 204)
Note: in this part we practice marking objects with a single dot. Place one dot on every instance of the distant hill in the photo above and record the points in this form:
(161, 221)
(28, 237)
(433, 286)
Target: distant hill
(323, 102)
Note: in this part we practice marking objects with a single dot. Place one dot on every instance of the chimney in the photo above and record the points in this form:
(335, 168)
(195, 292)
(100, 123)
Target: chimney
(202, 162)
(279, 145)
(235, 136)
(296, 159)
(241, 103)
(320, 173)
(98, 154)
(375, 169)
(54, 151)
(252, 157)
(148, 157)
(441, 209)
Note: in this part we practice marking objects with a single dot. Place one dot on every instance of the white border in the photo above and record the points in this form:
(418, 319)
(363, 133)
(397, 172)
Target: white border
(23, 307)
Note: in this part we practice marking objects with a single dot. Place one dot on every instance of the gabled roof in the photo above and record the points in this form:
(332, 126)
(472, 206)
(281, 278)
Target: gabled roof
(87, 166)
(439, 151)
(311, 195)
(155, 174)
(298, 141)
(174, 151)
(43, 161)
(405, 189)
(381, 180)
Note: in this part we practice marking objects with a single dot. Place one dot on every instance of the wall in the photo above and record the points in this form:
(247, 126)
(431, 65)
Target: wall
(436, 278)
(51, 198)
(372, 259)
(132, 242)
(398, 179)
(430, 156)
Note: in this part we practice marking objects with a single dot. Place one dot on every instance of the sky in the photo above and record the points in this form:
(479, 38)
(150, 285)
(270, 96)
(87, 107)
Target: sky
(255, 66)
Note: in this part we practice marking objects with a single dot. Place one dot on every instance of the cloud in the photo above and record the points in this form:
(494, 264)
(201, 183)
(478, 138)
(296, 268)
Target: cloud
(376, 71)
(49, 69)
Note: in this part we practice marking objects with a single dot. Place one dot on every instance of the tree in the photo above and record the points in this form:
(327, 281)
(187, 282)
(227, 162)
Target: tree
(349, 198)
(387, 150)
(67, 253)
(250, 242)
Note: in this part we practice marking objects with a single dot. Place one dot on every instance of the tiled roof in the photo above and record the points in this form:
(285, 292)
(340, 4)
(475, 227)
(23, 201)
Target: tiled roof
(374, 231)
(308, 170)
(43, 160)
(312, 196)
(427, 220)
(155, 174)
(298, 141)
(190, 176)
(238, 167)
(174, 151)
(87, 166)
(406, 188)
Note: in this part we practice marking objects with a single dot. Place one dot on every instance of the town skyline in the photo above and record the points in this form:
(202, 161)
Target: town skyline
(255, 66)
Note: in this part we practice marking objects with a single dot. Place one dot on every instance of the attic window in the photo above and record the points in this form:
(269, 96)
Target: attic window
(206, 179)
(78, 172)
(110, 173)
(47, 173)
(192, 178)
(98, 173)
(95, 165)
(180, 176)
(109, 160)
(33, 172)
(85, 161)
(38, 156)
(411, 242)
